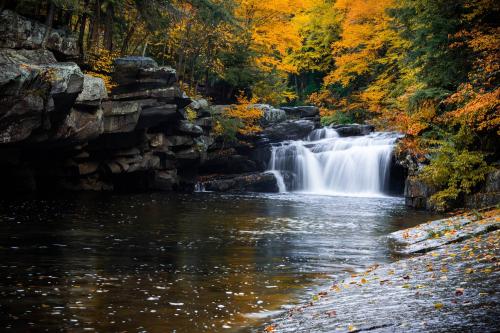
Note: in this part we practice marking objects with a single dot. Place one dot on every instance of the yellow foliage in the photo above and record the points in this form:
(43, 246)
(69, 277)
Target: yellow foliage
(100, 62)
(247, 114)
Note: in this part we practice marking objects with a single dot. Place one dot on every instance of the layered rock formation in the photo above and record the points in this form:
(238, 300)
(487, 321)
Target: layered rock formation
(61, 129)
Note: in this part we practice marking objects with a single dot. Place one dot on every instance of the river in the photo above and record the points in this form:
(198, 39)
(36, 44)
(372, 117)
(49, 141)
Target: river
(201, 262)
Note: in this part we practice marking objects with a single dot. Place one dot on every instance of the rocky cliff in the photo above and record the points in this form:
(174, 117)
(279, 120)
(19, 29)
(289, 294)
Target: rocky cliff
(61, 128)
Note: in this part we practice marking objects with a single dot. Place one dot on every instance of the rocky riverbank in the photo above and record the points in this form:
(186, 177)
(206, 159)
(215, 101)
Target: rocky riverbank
(452, 286)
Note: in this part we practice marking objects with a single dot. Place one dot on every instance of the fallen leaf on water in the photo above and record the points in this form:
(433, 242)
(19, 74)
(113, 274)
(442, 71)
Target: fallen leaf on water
(459, 291)
(351, 328)
(331, 313)
(363, 280)
(438, 305)
(469, 271)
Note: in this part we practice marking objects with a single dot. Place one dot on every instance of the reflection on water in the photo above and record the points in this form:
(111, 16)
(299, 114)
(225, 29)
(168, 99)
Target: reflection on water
(180, 263)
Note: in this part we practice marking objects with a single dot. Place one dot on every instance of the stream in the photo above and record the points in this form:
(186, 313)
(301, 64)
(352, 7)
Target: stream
(201, 262)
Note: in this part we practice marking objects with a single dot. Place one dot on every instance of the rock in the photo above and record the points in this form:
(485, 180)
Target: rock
(80, 126)
(120, 117)
(28, 92)
(165, 180)
(154, 116)
(301, 111)
(488, 194)
(353, 129)
(271, 115)
(141, 73)
(178, 140)
(417, 193)
(187, 127)
(188, 154)
(171, 95)
(22, 56)
(18, 32)
(249, 182)
(219, 109)
(87, 168)
(201, 107)
(205, 123)
(94, 91)
(288, 130)
(228, 164)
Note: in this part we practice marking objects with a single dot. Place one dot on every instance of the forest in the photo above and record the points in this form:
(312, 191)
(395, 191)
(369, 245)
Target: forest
(429, 69)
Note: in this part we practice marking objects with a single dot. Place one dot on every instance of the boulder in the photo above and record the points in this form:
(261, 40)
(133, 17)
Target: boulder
(141, 73)
(201, 107)
(178, 140)
(249, 182)
(171, 95)
(22, 56)
(186, 127)
(120, 117)
(188, 154)
(29, 91)
(288, 130)
(18, 32)
(301, 111)
(79, 126)
(94, 91)
(270, 115)
(353, 129)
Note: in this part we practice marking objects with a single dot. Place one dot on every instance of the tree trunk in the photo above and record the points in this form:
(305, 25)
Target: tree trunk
(108, 32)
(48, 23)
(95, 27)
(126, 40)
(83, 26)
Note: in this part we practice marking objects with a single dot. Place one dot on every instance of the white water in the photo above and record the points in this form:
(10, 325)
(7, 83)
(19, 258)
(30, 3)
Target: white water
(325, 163)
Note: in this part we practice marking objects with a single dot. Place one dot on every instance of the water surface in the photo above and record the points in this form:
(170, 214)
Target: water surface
(180, 263)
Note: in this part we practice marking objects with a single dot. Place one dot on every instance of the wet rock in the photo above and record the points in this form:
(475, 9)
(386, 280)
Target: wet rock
(288, 130)
(165, 180)
(18, 32)
(353, 129)
(271, 115)
(417, 193)
(249, 182)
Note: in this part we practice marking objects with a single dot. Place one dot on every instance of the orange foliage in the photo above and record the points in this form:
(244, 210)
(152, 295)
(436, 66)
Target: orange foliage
(247, 114)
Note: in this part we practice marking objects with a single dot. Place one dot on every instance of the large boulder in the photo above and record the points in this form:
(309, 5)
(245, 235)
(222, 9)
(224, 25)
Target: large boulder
(79, 126)
(94, 91)
(270, 114)
(155, 115)
(417, 193)
(186, 127)
(353, 129)
(18, 32)
(248, 182)
(141, 73)
(288, 130)
(28, 92)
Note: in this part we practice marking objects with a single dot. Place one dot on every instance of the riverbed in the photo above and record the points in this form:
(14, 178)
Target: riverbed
(201, 262)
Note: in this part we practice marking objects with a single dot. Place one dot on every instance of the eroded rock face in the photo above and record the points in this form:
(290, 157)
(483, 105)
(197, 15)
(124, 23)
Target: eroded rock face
(302, 111)
(488, 194)
(249, 182)
(17, 32)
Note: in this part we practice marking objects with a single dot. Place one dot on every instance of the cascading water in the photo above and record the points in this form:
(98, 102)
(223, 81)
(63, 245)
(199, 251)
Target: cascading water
(325, 163)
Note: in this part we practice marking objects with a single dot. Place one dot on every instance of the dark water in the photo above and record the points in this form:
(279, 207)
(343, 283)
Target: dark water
(180, 263)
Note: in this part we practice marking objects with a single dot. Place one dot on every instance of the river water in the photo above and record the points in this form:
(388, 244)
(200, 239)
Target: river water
(202, 262)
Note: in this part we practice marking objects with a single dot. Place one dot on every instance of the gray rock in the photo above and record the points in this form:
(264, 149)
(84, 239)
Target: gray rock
(178, 140)
(353, 129)
(94, 91)
(187, 127)
(80, 127)
(288, 130)
(120, 117)
(18, 32)
(417, 193)
(153, 116)
(165, 180)
(188, 154)
(301, 111)
(488, 194)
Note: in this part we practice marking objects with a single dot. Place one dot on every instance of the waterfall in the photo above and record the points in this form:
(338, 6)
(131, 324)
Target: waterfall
(325, 163)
